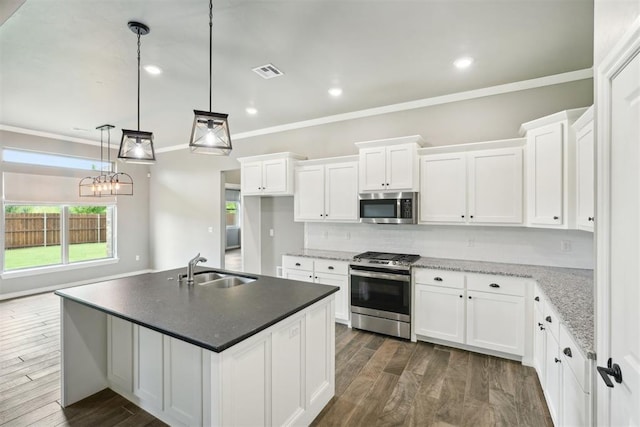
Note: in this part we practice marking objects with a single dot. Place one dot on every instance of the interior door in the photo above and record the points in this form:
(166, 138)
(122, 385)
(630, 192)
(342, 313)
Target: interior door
(619, 317)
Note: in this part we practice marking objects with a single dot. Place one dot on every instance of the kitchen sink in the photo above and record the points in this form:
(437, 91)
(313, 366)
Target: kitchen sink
(216, 280)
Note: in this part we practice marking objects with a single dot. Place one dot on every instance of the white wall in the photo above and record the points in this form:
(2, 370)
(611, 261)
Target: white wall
(612, 18)
(277, 215)
(517, 245)
(132, 216)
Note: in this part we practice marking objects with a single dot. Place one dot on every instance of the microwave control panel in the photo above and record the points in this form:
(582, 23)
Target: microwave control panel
(406, 208)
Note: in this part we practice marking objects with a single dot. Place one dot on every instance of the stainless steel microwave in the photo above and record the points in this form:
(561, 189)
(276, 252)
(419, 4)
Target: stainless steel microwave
(388, 208)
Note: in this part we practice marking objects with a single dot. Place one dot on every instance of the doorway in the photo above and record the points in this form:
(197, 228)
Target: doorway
(233, 221)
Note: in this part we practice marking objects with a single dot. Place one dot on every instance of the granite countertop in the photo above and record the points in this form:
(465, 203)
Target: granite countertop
(569, 290)
(210, 318)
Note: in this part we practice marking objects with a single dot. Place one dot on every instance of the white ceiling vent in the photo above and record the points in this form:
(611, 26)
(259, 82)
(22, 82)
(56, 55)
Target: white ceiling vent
(268, 71)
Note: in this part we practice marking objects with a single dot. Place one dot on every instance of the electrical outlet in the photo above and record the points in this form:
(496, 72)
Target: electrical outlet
(271, 233)
(565, 245)
(471, 243)
(210, 229)
(137, 257)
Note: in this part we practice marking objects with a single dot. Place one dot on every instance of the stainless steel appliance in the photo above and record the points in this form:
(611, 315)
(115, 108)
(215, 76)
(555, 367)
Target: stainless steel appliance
(381, 292)
(388, 208)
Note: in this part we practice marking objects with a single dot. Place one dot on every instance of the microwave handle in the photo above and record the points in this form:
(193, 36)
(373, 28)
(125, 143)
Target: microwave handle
(397, 277)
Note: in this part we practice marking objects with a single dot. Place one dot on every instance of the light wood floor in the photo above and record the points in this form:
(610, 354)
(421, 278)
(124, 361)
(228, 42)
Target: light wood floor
(379, 381)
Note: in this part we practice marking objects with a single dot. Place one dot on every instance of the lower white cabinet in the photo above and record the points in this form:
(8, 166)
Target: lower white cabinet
(553, 377)
(324, 272)
(539, 349)
(283, 375)
(441, 313)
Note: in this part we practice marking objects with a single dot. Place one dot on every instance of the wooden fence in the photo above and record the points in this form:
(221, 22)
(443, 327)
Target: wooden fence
(24, 230)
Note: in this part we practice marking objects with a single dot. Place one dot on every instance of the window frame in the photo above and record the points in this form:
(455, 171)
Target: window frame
(64, 265)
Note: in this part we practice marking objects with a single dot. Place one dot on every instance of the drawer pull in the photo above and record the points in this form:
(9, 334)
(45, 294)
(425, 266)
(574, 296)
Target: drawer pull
(460, 296)
(537, 299)
(555, 217)
(548, 319)
(438, 279)
(494, 285)
(297, 264)
(567, 352)
(330, 267)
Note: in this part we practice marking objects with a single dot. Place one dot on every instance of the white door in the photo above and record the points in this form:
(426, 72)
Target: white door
(309, 193)
(440, 313)
(251, 179)
(545, 147)
(342, 296)
(539, 349)
(443, 188)
(585, 182)
(496, 322)
(274, 176)
(372, 169)
(553, 376)
(341, 192)
(400, 167)
(495, 186)
(619, 316)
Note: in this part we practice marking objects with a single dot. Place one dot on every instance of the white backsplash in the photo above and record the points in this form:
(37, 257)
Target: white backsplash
(517, 245)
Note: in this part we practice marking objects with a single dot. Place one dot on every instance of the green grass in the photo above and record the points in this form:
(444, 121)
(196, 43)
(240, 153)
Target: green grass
(49, 255)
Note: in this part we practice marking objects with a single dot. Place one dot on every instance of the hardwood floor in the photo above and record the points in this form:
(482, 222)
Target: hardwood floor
(380, 381)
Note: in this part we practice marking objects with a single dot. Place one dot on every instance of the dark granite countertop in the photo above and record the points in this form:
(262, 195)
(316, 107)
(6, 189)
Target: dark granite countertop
(211, 318)
(569, 290)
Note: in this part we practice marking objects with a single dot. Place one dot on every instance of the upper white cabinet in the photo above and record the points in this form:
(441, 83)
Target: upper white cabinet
(585, 171)
(477, 184)
(389, 164)
(268, 175)
(550, 162)
(326, 190)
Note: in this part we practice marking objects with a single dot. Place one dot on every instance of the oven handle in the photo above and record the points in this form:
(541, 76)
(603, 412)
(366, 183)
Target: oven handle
(390, 276)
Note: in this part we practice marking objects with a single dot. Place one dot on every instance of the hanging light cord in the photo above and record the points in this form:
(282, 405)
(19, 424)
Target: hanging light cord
(101, 159)
(210, 52)
(138, 79)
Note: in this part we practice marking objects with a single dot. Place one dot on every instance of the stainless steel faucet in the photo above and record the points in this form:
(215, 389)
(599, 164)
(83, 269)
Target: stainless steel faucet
(191, 265)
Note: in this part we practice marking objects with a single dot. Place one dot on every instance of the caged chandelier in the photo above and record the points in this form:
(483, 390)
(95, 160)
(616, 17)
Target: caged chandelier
(136, 146)
(108, 183)
(210, 132)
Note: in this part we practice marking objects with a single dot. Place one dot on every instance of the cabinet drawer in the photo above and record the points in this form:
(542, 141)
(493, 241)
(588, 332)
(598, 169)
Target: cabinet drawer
(331, 266)
(496, 284)
(551, 320)
(297, 263)
(450, 279)
(577, 362)
(538, 300)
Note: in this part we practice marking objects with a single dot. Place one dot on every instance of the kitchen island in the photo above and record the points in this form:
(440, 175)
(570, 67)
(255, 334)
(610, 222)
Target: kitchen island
(257, 354)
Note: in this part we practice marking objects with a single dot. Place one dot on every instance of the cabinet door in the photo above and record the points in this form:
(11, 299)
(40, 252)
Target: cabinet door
(120, 353)
(274, 176)
(585, 181)
(440, 313)
(148, 366)
(574, 400)
(401, 167)
(342, 296)
(553, 377)
(496, 322)
(183, 381)
(539, 349)
(341, 192)
(287, 364)
(495, 186)
(545, 149)
(309, 193)
(302, 275)
(443, 188)
(251, 178)
(372, 169)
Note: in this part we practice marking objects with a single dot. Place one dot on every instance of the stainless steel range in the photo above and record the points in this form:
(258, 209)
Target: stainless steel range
(381, 292)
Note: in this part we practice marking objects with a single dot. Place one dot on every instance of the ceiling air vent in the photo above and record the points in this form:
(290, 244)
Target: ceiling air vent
(268, 71)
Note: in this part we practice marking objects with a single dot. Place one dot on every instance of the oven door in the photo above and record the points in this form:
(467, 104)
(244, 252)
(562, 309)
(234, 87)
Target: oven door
(381, 293)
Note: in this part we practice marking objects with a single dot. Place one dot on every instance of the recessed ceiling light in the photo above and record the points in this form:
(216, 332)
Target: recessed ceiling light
(335, 91)
(462, 63)
(251, 110)
(152, 69)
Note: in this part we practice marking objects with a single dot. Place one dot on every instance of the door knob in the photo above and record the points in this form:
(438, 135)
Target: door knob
(612, 370)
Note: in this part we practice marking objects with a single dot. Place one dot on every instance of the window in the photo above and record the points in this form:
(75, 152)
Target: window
(45, 235)
(56, 160)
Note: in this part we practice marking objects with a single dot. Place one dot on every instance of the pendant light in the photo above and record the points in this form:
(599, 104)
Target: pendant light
(136, 146)
(108, 183)
(210, 131)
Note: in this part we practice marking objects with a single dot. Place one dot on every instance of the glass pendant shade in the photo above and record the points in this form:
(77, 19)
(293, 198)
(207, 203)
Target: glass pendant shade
(210, 133)
(137, 147)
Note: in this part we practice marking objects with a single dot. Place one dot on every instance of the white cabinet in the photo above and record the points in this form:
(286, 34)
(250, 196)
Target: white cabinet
(120, 353)
(326, 192)
(487, 313)
(182, 381)
(495, 186)
(538, 337)
(148, 367)
(585, 184)
(325, 272)
(389, 165)
(475, 187)
(553, 377)
(268, 175)
(551, 170)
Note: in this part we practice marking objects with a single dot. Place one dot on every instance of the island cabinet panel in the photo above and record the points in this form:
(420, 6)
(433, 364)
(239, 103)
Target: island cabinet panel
(183, 381)
(120, 353)
(148, 366)
(287, 376)
(320, 346)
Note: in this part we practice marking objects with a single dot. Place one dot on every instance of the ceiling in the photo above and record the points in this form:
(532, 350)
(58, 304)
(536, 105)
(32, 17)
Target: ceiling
(68, 66)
